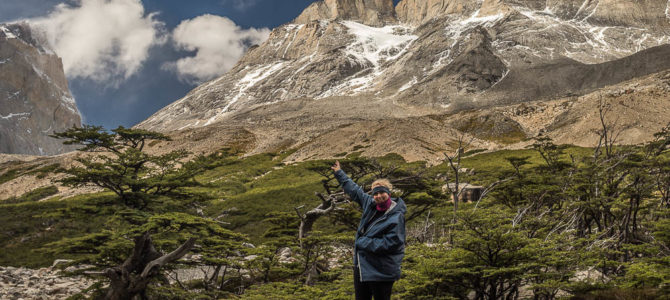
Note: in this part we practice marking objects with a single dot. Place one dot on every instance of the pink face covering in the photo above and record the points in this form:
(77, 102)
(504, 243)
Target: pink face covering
(384, 205)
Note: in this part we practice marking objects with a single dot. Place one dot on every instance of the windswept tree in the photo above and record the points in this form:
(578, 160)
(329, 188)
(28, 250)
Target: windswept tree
(155, 200)
(121, 165)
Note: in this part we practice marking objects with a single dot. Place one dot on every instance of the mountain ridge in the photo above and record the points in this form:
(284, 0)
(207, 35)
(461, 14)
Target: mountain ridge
(439, 57)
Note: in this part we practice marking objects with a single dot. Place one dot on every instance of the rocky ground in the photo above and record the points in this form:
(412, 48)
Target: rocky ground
(44, 283)
(51, 283)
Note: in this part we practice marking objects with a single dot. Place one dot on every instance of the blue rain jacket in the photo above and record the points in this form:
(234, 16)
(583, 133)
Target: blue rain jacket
(379, 250)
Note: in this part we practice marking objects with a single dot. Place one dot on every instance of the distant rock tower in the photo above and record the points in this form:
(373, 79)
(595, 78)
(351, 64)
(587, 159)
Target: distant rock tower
(35, 100)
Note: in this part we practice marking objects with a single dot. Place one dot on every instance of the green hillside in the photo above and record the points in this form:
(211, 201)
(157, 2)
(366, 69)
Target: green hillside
(549, 214)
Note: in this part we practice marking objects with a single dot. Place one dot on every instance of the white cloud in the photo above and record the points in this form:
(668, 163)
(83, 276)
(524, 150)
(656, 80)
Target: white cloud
(218, 42)
(103, 40)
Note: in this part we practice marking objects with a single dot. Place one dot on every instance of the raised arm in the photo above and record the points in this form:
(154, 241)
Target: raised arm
(352, 189)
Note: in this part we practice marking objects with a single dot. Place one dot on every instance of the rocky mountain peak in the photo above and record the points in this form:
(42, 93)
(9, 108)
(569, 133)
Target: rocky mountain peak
(416, 12)
(369, 12)
(361, 60)
(23, 32)
(35, 100)
(645, 13)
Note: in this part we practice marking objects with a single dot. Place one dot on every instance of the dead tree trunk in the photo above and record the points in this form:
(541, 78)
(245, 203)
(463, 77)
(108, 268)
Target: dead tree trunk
(307, 220)
(130, 279)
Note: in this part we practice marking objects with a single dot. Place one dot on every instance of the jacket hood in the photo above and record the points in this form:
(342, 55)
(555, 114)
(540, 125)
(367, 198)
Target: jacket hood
(400, 205)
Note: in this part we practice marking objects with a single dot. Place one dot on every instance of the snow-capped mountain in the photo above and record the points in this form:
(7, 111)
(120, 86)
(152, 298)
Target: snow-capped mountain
(430, 57)
(35, 100)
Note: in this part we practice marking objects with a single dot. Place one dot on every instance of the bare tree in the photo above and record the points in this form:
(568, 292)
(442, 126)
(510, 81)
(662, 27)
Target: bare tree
(328, 204)
(607, 135)
(453, 176)
(130, 279)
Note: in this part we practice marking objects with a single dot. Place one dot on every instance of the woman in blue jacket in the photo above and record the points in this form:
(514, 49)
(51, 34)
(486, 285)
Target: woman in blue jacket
(380, 238)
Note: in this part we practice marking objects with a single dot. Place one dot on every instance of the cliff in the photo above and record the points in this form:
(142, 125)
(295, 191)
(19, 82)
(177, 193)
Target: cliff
(35, 100)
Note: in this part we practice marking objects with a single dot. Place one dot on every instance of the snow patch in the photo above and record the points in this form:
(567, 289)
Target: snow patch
(41, 73)
(7, 32)
(252, 78)
(12, 115)
(584, 6)
(247, 82)
(599, 43)
(408, 85)
(475, 19)
(373, 46)
(69, 103)
(356, 84)
(455, 30)
(185, 126)
(5, 61)
(304, 63)
(67, 99)
(593, 12)
(377, 45)
(667, 10)
(290, 28)
(501, 78)
(443, 60)
(13, 95)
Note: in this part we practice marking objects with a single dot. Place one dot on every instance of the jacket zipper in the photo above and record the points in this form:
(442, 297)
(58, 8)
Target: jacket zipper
(376, 221)
(366, 229)
(360, 272)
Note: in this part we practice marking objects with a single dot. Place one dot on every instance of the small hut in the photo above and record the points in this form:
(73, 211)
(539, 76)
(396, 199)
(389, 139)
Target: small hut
(469, 192)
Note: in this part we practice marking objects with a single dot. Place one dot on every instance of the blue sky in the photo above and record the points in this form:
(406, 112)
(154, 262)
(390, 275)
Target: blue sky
(163, 60)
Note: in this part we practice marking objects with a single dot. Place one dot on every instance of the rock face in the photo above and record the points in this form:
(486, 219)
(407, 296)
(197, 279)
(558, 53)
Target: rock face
(368, 12)
(426, 57)
(35, 100)
(416, 12)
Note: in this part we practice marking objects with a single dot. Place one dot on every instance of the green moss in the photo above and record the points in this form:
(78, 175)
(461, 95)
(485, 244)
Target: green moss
(280, 189)
(503, 131)
(9, 175)
(34, 195)
(494, 161)
(39, 172)
(44, 171)
(354, 155)
(28, 226)
(245, 190)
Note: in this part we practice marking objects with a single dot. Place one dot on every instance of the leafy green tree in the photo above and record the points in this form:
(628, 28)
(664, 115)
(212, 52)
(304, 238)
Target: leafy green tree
(123, 167)
(155, 198)
(281, 235)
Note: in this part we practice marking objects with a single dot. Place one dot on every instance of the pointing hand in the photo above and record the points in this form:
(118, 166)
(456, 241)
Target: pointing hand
(336, 166)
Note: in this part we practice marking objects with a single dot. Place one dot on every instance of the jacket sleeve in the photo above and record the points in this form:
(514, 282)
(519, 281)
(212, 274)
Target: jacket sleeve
(352, 189)
(391, 242)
